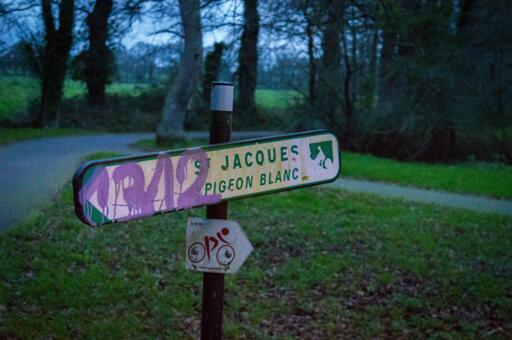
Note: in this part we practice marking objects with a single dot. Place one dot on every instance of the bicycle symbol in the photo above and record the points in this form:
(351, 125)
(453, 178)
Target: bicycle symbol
(224, 255)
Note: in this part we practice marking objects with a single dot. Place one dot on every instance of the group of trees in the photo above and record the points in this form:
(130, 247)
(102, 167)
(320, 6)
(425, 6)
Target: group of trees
(407, 78)
(145, 63)
(411, 79)
(51, 56)
(95, 63)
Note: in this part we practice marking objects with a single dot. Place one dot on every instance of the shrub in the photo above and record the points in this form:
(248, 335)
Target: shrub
(119, 113)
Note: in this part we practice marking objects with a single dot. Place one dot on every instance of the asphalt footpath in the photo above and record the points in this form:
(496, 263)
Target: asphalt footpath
(32, 171)
(469, 202)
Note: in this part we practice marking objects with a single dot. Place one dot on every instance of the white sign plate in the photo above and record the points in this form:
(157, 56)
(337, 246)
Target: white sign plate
(215, 246)
(123, 189)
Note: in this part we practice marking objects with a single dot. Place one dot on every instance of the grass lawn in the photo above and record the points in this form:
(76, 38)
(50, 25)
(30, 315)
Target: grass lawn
(150, 144)
(9, 135)
(17, 92)
(325, 263)
(485, 179)
(276, 99)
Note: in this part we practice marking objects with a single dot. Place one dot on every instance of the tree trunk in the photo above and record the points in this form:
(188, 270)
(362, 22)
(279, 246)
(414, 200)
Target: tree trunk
(347, 94)
(330, 77)
(211, 70)
(353, 75)
(312, 63)
(248, 57)
(55, 60)
(463, 24)
(466, 7)
(183, 85)
(373, 61)
(387, 78)
(99, 58)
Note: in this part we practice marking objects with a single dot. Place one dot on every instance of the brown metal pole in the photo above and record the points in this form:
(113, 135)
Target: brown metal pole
(213, 283)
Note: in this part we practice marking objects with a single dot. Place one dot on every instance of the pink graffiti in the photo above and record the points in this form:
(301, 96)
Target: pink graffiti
(129, 180)
(99, 183)
(192, 196)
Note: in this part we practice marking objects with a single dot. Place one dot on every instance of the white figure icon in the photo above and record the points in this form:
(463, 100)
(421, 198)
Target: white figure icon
(321, 162)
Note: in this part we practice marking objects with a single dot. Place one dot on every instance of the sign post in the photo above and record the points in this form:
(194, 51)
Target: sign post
(213, 283)
(128, 188)
(215, 246)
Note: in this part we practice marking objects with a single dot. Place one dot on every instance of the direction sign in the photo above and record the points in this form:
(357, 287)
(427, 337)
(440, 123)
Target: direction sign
(122, 189)
(215, 246)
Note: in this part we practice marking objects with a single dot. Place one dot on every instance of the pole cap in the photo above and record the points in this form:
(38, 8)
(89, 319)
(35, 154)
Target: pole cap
(222, 96)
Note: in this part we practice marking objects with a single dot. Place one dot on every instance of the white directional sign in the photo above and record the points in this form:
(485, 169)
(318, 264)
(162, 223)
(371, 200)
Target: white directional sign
(216, 246)
(122, 189)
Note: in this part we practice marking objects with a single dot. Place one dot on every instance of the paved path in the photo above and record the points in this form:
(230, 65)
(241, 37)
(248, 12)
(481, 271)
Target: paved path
(32, 171)
(427, 196)
(236, 135)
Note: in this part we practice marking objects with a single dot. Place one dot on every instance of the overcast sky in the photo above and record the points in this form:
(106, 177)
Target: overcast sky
(142, 29)
(24, 24)
(141, 32)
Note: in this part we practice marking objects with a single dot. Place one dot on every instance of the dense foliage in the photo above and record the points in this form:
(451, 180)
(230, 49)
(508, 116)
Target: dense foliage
(413, 80)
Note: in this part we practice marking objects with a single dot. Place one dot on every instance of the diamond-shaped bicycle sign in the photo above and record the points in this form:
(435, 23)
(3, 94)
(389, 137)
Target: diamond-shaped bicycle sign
(216, 246)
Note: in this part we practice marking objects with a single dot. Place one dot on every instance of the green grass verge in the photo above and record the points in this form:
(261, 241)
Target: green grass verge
(9, 135)
(16, 92)
(326, 263)
(486, 179)
(150, 144)
(276, 99)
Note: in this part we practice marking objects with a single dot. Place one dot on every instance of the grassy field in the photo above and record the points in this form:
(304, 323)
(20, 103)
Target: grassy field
(16, 93)
(485, 179)
(276, 99)
(326, 263)
(8, 135)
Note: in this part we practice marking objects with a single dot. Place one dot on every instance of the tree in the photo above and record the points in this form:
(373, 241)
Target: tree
(248, 58)
(99, 58)
(58, 43)
(310, 16)
(330, 74)
(14, 15)
(211, 70)
(311, 59)
(183, 85)
(482, 76)
(387, 79)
